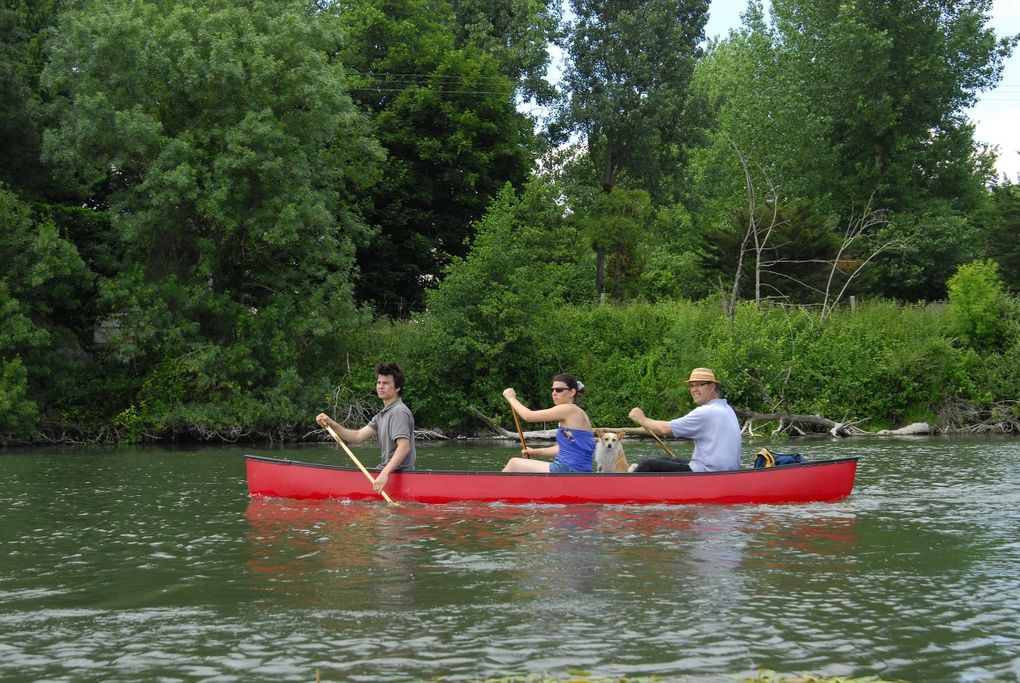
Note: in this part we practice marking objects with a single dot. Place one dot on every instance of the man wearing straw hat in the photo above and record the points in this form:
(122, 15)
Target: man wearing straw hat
(712, 425)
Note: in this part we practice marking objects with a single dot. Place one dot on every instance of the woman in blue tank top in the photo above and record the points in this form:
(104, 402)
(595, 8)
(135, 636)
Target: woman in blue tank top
(575, 443)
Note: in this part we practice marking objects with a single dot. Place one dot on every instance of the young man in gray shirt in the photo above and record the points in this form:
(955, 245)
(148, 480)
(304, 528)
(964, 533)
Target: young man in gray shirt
(394, 424)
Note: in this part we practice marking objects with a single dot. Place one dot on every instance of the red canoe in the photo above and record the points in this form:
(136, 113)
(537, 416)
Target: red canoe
(821, 480)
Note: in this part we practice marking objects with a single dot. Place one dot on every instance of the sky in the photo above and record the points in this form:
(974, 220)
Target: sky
(997, 113)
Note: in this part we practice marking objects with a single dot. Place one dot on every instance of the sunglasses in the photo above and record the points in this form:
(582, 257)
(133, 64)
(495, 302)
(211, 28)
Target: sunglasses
(557, 390)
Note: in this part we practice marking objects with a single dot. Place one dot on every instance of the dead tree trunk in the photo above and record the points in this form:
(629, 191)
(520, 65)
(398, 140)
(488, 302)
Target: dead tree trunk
(803, 424)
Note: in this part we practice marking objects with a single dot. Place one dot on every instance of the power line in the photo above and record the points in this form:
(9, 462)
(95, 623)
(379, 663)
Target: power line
(447, 92)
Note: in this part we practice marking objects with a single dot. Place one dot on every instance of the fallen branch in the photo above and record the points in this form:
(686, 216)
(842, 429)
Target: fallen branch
(964, 417)
(802, 424)
(429, 435)
(544, 434)
(498, 428)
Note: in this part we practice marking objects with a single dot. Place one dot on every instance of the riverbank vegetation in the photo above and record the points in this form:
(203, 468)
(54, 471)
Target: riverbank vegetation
(218, 216)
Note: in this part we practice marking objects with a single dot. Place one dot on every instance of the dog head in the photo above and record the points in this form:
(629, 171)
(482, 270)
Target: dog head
(609, 440)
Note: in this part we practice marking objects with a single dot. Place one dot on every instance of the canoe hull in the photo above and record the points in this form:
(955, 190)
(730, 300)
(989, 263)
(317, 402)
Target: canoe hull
(824, 480)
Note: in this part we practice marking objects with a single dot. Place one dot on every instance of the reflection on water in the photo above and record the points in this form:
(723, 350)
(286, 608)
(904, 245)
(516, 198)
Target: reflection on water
(128, 566)
(555, 579)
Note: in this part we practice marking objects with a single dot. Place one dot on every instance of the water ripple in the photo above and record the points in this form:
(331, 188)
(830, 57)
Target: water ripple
(157, 566)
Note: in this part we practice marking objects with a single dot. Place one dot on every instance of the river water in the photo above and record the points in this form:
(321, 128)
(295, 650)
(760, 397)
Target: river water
(153, 564)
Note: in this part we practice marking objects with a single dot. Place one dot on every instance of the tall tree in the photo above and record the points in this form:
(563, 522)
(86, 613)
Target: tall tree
(630, 65)
(517, 34)
(851, 104)
(23, 27)
(1004, 233)
(230, 154)
(893, 80)
(446, 117)
(755, 119)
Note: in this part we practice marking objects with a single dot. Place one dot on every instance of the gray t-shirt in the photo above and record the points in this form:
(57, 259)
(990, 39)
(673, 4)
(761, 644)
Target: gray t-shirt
(392, 422)
(715, 430)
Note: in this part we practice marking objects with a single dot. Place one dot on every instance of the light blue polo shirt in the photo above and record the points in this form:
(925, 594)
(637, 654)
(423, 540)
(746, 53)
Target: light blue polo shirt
(716, 434)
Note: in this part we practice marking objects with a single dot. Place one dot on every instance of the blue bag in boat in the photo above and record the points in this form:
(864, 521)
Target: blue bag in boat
(766, 458)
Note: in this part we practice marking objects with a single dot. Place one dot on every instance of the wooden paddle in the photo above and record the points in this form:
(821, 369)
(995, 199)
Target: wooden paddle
(357, 462)
(661, 443)
(520, 432)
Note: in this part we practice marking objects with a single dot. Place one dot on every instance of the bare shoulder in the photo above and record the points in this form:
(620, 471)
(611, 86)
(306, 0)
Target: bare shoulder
(576, 418)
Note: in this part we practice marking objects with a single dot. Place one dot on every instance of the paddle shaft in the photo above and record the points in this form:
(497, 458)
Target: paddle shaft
(356, 461)
(661, 443)
(520, 432)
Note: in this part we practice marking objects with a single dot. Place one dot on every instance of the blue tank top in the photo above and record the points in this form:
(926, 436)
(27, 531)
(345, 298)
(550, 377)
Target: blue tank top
(577, 448)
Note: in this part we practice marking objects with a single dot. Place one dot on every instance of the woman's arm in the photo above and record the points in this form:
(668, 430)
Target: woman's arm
(554, 414)
(546, 452)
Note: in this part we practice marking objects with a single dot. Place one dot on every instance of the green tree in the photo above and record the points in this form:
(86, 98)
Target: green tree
(1004, 233)
(23, 27)
(630, 65)
(517, 34)
(756, 119)
(847, 104)
(615, 222)
(891, 81)
(445, 115)
(673, 267)
(934, 243)
(846, 101)
(221, 135)
(41, 278)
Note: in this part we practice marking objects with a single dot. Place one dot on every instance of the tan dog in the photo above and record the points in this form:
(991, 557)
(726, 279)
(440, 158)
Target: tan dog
(609, 455)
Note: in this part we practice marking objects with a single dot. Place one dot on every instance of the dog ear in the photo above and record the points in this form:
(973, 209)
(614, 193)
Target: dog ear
(599, 432)
(621, 435)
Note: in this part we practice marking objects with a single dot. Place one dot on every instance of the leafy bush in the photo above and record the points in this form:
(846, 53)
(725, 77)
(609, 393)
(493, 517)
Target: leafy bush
(626, 355)
(885, 363)
(977, 304)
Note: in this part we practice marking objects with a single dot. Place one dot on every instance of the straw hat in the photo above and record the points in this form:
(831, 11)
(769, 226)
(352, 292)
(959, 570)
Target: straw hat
(702, 375)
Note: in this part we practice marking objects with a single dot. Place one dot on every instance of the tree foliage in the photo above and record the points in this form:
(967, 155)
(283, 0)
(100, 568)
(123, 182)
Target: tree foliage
(615, 222)
(41, 278)
(444, 113)
(627, 77)
(221, 137)
(843, 105)
(891, 81)
(1003, 233)
(23, 28)
(977, 304)
(517, 34)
